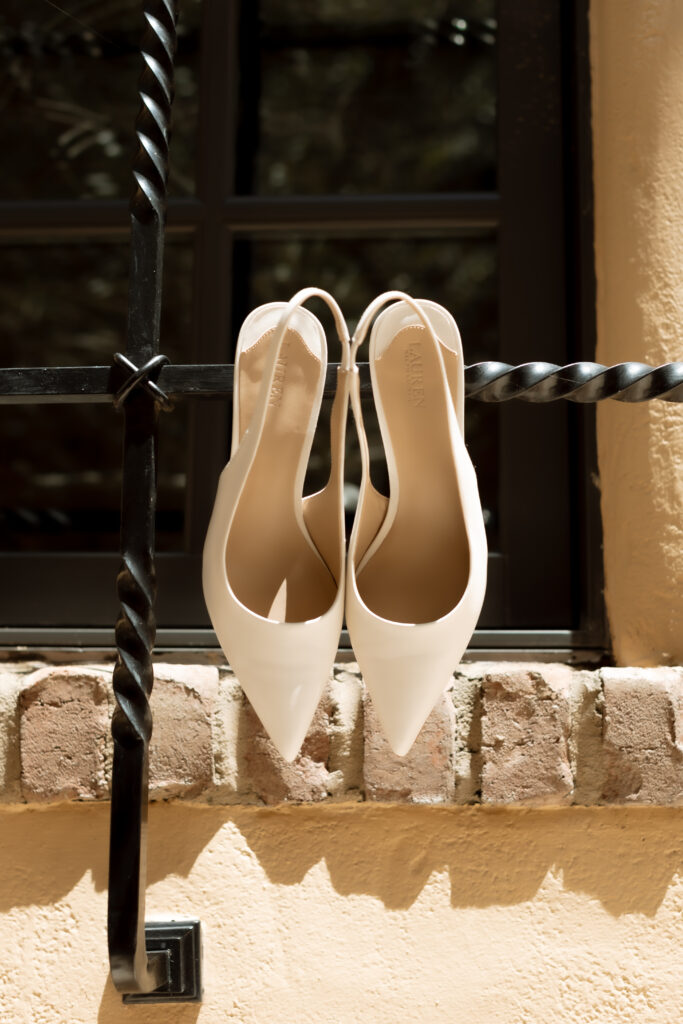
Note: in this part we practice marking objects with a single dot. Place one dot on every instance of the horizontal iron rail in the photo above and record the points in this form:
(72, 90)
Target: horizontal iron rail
(466, 210)
(488, 382)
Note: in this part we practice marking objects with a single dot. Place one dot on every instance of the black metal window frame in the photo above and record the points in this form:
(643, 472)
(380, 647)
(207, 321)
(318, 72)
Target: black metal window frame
(157, 961)
(543, 217)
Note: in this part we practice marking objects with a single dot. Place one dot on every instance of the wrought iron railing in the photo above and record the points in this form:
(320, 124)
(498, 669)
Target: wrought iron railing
(158, 961)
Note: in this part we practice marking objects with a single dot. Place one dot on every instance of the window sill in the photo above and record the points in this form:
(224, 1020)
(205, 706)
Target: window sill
(526, 734)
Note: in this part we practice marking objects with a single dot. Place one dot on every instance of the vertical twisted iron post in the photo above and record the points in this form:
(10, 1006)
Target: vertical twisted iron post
(132, 969)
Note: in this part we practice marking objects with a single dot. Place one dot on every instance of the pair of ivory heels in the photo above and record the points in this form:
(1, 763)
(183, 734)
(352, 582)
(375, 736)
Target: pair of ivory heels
(277, 578)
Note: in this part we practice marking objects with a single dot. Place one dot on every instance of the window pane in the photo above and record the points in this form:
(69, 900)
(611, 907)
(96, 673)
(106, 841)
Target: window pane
(367, 97)
(60, 479)
(68, 98)
(65, 305)
(458, 273)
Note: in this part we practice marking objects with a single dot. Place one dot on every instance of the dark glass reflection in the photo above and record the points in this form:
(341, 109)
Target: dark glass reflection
(367, 97)
(60, 476)
(68, 98)
(461, 274)
(66, 304)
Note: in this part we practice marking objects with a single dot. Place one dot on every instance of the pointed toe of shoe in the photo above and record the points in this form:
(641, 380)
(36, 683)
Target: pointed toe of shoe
(283, 667)
(403, 696)
(407, 667)
(284, 705)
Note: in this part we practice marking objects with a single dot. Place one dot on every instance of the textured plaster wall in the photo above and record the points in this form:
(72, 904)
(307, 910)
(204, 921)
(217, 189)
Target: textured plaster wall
(637, 78)
(357, 913)
(372, 913)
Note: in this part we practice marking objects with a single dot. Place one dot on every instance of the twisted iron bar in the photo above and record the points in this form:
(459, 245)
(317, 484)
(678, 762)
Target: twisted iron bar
(133, 969)
(135, 634)
(577, 382)
(150, 166)
(136, 627)
(486, 382)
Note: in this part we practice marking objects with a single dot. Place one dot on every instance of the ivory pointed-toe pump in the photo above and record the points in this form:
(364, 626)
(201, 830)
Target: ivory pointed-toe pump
(416, 565)
(273, 565)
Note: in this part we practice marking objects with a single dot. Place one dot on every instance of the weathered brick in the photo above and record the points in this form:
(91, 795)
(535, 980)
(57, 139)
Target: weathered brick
(585, 740)
(467, 757)
(425, 774)
(346, 732)
(14, 676)
(64, 719)
(505, 733)
(265, 776)
(181, 748)
(225, 737)
(643, 735)
(525, 731)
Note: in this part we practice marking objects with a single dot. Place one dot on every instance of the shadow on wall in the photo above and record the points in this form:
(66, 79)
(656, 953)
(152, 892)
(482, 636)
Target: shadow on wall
(45, 852)
(64, 841)
(113, 1011)
(623, 857)
(493, 856)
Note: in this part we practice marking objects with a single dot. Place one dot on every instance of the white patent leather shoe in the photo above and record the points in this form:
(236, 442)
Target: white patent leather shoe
(416, 565)
(273, 565)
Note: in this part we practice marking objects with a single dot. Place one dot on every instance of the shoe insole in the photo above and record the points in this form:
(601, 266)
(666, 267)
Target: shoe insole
(272, 567)
(420, 570)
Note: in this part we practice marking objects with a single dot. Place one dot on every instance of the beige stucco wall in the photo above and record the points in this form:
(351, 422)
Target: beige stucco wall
(358, 913)
(637, 71)
(355, 912)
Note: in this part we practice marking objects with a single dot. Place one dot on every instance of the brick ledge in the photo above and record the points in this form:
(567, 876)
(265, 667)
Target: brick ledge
(529, 734)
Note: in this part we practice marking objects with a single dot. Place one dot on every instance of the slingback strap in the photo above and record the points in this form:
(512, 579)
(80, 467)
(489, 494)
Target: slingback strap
(371, 504)
(300, 299)
(323, 512)
(358, 338)
(374, 308)
(257, 421)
